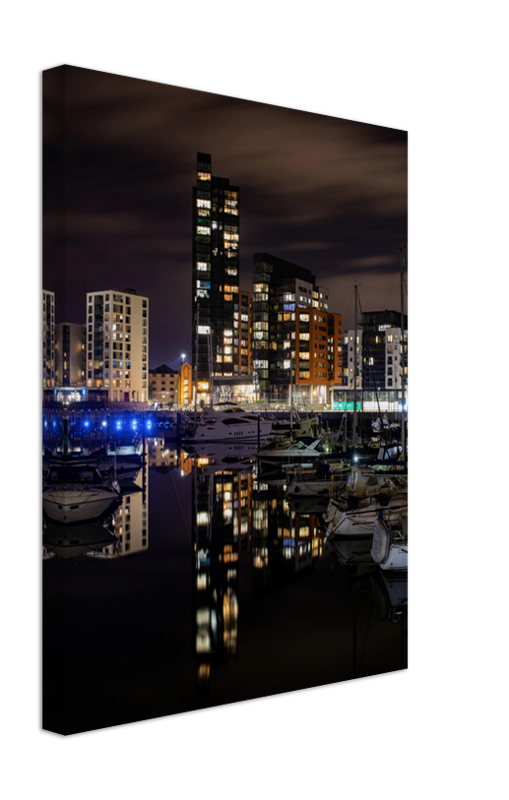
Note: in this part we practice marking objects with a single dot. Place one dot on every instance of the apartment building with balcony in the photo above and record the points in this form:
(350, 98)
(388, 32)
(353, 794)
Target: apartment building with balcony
(217, 300)
(70, 344)
(48, 341)
(117, 349)
(296, 339)
(378, 359)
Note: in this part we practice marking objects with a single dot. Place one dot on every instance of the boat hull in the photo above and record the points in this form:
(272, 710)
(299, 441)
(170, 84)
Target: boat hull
(389, 548)
(77, 505)
(230, 433)
(355, 524)
(309, 488)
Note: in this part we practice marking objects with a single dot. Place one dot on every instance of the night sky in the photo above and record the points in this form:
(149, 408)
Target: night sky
(325, 193)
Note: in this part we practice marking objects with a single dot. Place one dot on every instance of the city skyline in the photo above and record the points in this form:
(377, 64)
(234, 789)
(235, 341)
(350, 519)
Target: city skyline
(325, 193)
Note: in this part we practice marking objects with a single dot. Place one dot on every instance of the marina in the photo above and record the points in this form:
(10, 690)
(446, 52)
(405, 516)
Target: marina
(247, 577)
(224, 454)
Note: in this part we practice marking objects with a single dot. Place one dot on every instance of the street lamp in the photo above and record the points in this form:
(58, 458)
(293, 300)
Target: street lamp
(182, 357)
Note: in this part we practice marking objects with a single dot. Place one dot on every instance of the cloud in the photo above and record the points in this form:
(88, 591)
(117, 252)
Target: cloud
(358, 265)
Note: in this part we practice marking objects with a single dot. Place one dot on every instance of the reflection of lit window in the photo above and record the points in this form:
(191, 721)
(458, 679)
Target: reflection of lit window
(203, 642)
(203, 616)
(202, 518)
(261, 557)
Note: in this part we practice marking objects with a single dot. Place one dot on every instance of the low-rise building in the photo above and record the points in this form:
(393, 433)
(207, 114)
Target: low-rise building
(164, 385)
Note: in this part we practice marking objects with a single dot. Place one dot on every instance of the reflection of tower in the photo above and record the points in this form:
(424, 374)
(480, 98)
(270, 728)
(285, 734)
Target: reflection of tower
(221, 530)
(285, 545)
(130, 520)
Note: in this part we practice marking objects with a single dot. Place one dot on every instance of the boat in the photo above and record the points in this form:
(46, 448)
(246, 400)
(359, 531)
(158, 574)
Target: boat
(228, 422)
(359, 522)
(324, 478)
(212, 457)
(272, 459)
(367, 482)
(77, 493)
(297, 427)
(71, 541)
(125, 460)
(389, 548)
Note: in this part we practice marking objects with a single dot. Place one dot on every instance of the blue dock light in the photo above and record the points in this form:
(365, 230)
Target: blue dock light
(119, 424)
(86, 423)
(134, 424)
(149, 424)
(104, 423)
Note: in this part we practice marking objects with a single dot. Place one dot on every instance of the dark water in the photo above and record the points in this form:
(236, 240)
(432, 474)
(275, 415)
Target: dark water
(204, 587)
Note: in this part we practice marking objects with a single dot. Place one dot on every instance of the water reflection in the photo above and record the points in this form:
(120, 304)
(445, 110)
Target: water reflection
(234, 595)
(95, 494)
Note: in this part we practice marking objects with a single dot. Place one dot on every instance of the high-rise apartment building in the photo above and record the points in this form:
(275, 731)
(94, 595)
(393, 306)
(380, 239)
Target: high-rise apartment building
(117, 345)
(216, 344)
(48, 340)
(70, 354)
(293, 344)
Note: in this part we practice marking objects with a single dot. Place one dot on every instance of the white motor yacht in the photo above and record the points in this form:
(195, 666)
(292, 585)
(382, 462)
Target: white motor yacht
(75, 494)
(228, 422)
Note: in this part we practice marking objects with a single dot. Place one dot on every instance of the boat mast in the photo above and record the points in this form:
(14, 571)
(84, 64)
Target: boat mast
(355, 375)
(211, 368)
(402, 361)
(291, 392)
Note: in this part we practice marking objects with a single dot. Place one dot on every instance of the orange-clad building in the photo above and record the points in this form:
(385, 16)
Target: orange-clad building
(318, 353)
(297, 341)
